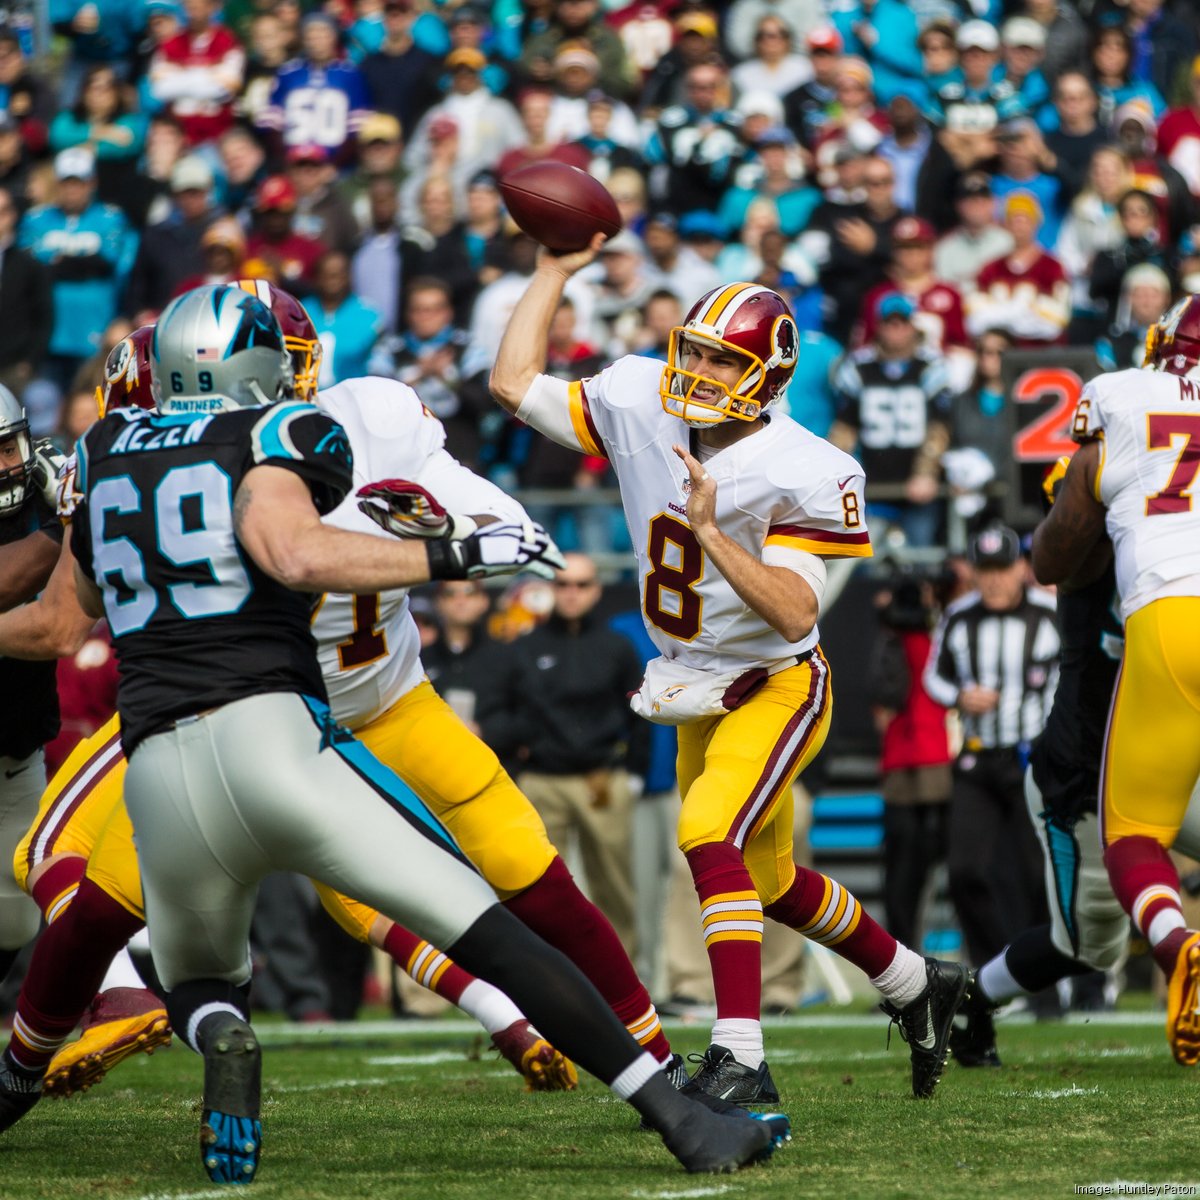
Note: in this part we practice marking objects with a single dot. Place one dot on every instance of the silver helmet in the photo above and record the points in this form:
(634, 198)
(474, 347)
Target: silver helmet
(15, 477)
(216, 349)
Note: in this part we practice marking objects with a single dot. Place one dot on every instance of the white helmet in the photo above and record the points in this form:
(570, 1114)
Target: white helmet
(14, 481)
(217, 349)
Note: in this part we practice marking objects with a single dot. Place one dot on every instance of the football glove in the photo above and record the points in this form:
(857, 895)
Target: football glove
(407, 510)
(502, 548)
(48, 463)
(1052, 481)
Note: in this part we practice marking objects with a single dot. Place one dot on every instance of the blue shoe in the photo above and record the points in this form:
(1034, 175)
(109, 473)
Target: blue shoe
(780, 1126)
(230, 1130)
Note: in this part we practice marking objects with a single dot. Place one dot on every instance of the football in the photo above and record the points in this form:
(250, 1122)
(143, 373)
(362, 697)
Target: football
(560, 206)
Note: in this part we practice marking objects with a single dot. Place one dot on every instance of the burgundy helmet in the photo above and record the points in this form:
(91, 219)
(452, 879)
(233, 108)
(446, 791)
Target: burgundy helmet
(127, 374)
(749, 320)
(1173, 341)
(299, 334)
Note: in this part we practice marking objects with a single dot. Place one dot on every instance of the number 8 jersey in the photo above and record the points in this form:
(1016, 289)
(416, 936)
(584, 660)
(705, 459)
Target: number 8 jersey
(1150, 453)
(780, 490)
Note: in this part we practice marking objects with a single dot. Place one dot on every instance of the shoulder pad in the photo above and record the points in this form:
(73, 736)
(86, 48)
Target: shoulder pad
(803, 462)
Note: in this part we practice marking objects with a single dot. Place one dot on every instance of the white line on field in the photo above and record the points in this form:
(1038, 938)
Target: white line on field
(417, 1060)
(208, 1194)
(323, 1087)
(719, 1190)
(1056, 1093)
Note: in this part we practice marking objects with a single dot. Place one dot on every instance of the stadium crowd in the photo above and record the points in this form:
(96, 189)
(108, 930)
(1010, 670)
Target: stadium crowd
(928, 184)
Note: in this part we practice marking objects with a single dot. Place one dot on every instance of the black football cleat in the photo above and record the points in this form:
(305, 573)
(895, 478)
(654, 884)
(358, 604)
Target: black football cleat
(925, 1022)
(712, 1143)
(973, 1034)
(722, 1077)
(19, 1092)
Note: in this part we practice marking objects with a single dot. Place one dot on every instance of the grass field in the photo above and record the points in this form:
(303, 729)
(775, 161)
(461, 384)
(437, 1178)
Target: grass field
(421, 1110)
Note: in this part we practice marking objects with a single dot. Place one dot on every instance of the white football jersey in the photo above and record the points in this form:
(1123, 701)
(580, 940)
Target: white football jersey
(780, 490)
(368, 645)
(1150, 454)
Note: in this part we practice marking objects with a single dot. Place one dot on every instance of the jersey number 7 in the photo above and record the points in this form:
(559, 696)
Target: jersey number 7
(1161, 431)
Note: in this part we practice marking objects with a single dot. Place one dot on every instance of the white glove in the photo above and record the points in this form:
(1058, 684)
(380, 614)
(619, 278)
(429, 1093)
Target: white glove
(503, 548)
(48, 463)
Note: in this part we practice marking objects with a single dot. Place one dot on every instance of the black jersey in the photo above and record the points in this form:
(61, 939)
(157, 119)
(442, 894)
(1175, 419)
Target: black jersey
(1066, 758)
(195, 622)
(30, 688)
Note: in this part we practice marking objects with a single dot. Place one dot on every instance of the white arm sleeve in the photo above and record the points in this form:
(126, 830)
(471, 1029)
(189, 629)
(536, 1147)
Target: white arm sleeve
(460, 490)
(810, 567)
(547, 408)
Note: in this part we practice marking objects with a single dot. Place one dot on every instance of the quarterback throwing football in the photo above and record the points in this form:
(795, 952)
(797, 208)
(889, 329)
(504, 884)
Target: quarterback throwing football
(732, 510)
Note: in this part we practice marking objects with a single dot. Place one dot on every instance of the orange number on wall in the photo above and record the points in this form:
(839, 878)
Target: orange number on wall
(1048, 436)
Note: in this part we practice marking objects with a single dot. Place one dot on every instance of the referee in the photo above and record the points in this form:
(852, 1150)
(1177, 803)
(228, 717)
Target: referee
(994, 658)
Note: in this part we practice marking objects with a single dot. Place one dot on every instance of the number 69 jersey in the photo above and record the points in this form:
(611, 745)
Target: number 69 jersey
(368, 645)
(780, 490)
(1150, 453)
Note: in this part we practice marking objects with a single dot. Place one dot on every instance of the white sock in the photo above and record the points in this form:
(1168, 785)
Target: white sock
(742, 1037)
(997, 982)
(122, 973)
(489, 1006)
(205, 1010)
(635, 1076)
(904, 979)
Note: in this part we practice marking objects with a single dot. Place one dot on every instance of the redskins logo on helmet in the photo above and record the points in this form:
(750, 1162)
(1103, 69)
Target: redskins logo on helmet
(299, 334)
(127, 374)
(744, 319)
(1173, 341)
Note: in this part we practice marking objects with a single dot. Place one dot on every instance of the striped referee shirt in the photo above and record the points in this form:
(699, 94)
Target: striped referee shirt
(1014, 652)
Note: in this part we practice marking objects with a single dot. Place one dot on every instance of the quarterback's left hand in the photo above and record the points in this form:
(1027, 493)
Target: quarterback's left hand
(702, 499)
(407, 510)
(48, 463)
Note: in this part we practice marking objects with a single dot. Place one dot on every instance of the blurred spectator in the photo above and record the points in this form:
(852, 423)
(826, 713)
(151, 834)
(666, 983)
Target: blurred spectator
(849, 237)
(437, 244)
(170, 250)
(580, 21)
(1026, 293)
(807, 109)
(977, 239)
(605, 154)
(977, 414)
(101, 121)
(1179, 133)
(243, 167)
(759, 111)
(576, 75)
(483, 125)
(100, 32)
(662, 312)
(468, 26)
(645, 32)
(223, 249)
(494, 304)
(321, 212)
(776, 176)
(905, 146)
(855, 116)
(348, 329)
(914, 756)
(1163, 46)
(166, 145)
(23, 96)
(695, 146)
(745, 18)
(1022, 156)
(810, 397)
(1076, 136)
(1112, 61)
(287, 256)
(89, 248)
(774, 66)
(375, 268)
(696, 41)
(741, 258)
(621, 284)
(320, 98)
(1139, 243)
(627, 186)
(677, 266)
(893, 404)
(884, 32)
(1145, 296)
(1137, 136)
(268, 54)
(939, 54)
(198, 73)
(1092, 225)
(14, 164)
(379, 149)
(534, 108)
(26, 302)
(402, 77)
(784, 268)
(1066, 36)
(483, 226)
(1022, 49)
(566, 688)
(427, 356)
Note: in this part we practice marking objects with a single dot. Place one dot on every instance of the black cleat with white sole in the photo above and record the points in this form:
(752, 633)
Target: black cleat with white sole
(925, 1022)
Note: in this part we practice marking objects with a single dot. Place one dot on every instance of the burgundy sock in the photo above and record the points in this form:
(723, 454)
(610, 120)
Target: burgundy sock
(731, 916)
(1146, 883)
(427, 964)
(823, 910)
(67, 967)
(55, 887)
(559, 913)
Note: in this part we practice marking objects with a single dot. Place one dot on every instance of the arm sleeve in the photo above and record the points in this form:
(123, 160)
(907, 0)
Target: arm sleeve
(564, 412)
(939, 678)
(302, 439)
(460, 489)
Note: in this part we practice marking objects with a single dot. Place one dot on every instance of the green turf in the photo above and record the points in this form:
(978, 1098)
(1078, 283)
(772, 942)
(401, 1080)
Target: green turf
(419, 1114)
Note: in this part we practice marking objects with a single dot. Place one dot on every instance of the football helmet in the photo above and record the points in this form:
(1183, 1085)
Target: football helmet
(748, 320)
(299, 334)
(217, 349)
(14, 427)
(127, 374)
(1173, 341)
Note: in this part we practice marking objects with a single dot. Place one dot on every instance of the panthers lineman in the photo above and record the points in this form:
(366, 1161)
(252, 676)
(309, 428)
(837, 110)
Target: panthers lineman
(192, 530)
(732, 511)
(1134, 473)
